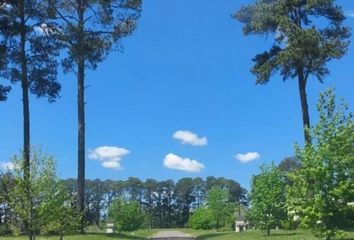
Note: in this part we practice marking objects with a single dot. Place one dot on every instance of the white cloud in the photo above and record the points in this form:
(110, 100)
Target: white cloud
(7, 166)
(247, 157)
(110, 156)
(349, 13)
(112, 165)
(187, 137)
(184, 164)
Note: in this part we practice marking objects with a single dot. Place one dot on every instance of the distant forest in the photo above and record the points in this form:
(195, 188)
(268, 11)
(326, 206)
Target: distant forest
(167, 203)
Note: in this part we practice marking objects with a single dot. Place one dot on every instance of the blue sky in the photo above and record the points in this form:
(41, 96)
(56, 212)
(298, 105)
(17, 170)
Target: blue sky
(185, 68)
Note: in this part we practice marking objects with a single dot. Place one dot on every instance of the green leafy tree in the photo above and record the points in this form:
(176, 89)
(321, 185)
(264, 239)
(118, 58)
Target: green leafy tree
(267, 198)
(324, 184)
(89, 31)
(220, 208)
(127, 216)
(307, 34)
(59, 211)
(202, 218)
(42, 184)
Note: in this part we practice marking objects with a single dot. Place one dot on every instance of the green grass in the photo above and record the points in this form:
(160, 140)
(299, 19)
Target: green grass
(200, 234)
(255, 234)
(140, 234)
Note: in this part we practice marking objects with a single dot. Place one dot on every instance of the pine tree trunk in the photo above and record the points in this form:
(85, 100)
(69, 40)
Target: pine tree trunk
(81, 119)
(304, 107)
(81, 143)
(26, 118)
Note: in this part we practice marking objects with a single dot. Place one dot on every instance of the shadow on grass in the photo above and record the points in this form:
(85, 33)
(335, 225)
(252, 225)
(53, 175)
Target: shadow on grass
(117, 235)
(173, 238)
(212, 235)
(272, 235)
(280, 234)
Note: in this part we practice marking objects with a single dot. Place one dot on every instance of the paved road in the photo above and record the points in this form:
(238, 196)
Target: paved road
(169, 235)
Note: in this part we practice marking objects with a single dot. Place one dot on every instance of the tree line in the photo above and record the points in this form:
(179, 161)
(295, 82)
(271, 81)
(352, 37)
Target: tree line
(167, 204)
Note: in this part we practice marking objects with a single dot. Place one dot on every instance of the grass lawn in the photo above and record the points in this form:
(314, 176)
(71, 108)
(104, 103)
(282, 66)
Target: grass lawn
(140, 234)
(200, 234)
(255, 234)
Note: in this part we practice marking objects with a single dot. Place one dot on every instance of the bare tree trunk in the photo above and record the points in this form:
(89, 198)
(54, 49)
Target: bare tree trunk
(304, 107)
(81, 142)
(81, 117)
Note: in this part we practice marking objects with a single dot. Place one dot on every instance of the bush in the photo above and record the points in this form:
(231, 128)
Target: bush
(127, 215)
(202, 218)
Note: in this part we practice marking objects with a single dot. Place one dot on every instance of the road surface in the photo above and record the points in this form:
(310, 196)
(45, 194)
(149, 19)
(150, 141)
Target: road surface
(172, 235)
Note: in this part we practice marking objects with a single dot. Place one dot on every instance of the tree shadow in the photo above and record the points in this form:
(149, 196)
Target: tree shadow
(118, 235)
(173, 238)
(212, 235)
(124, 236)
(280, 234)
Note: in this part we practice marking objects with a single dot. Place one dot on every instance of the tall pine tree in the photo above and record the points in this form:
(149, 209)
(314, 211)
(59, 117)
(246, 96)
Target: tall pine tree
(307, 34)
(29, 58)
(90, 30)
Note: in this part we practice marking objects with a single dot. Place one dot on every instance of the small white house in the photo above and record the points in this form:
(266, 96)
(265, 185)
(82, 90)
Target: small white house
(240, 226)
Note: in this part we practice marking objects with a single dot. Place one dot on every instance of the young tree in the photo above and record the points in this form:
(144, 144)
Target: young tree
(41, 185)
(127, 216)
(220, 208)
(59, 211)
(90, 29)
(268, 198)
(324, 184)
(202, 218)
(303, 44)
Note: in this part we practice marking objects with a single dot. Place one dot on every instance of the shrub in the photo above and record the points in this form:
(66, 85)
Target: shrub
(127, 216)
(202, 218)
